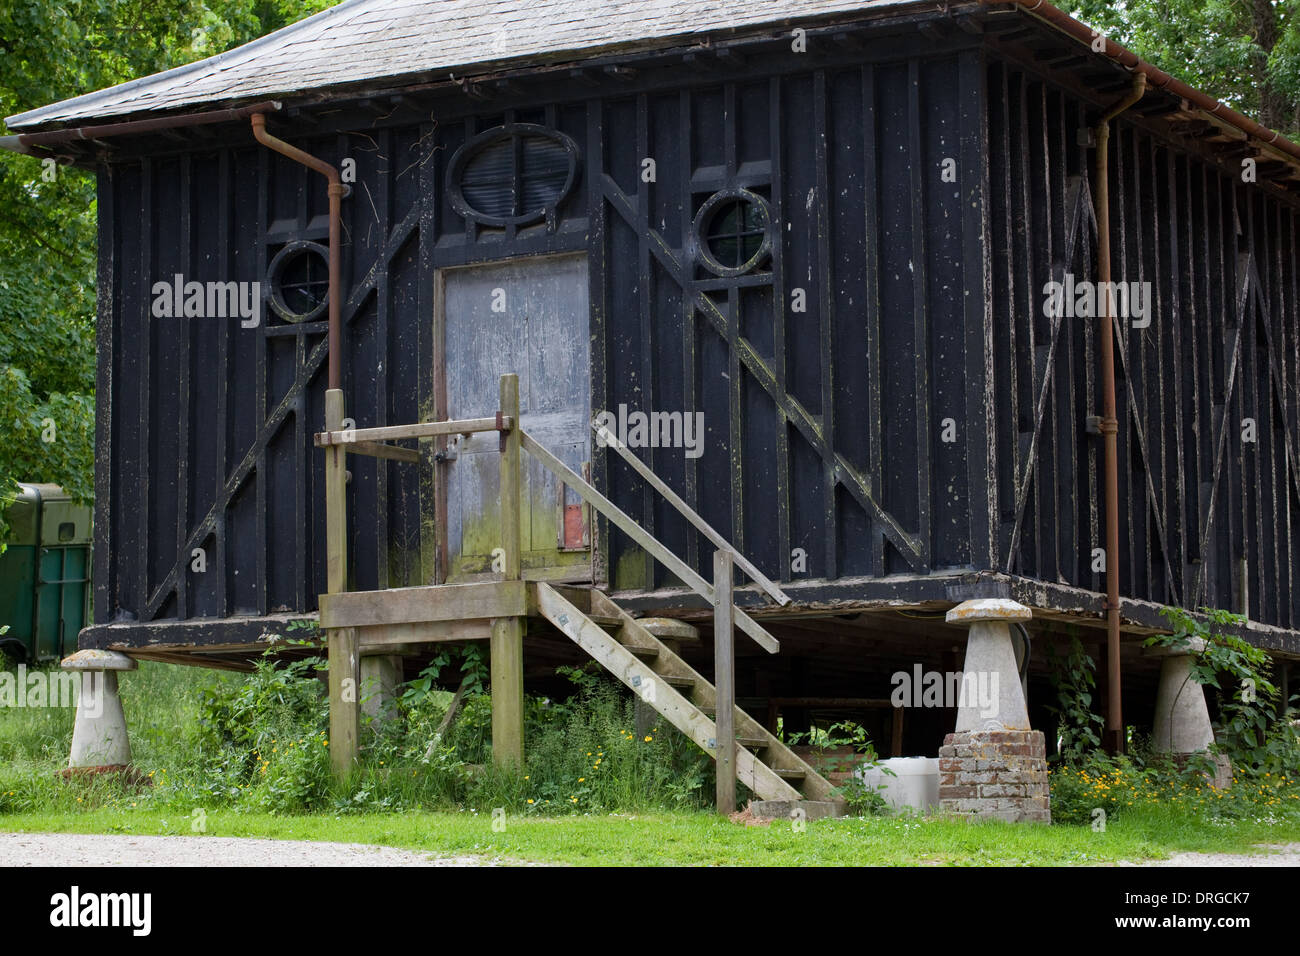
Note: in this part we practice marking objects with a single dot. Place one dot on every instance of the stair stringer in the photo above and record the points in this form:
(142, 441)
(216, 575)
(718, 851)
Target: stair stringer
(765, 783)
(776, 755)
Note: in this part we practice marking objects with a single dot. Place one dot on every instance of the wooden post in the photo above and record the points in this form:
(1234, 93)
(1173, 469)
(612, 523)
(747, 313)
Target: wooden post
(507, 645)
(724, 677)
(344, 658)
(896, 734)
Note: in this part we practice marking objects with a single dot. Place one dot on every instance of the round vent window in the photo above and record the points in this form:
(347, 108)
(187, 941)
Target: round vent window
(300, 281)
(733, 230)
(513, 175)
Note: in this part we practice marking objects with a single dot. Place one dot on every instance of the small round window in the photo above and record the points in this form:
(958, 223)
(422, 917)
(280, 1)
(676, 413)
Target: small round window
(515, 174)
(734, 232)
(300, 281)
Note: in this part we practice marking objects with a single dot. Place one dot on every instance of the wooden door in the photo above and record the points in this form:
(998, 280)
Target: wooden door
(530, 317)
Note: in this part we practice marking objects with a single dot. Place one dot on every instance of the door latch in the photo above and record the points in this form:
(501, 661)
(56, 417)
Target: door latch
(449, 453)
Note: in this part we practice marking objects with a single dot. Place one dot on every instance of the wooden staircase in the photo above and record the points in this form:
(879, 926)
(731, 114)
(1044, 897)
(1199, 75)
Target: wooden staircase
(779, 779)
(497, 611)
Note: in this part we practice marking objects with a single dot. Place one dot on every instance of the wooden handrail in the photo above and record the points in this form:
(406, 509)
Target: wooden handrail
(370, 441)
(466, 426)
(643, 538)
(690, 514)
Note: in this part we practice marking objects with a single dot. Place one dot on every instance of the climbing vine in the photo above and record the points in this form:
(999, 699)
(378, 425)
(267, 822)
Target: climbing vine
(1075, 684)
(1254, 729)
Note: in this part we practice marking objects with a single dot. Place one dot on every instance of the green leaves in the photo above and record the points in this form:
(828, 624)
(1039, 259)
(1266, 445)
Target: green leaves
(1253, 731)
(1073, 680)
(1246, 54)
(51, 50)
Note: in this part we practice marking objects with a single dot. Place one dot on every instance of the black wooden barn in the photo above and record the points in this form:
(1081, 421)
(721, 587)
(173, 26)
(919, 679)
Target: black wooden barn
(828, 226)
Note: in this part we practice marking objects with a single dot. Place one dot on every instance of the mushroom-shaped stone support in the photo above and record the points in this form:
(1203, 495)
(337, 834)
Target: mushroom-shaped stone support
(991, 695)
(1182, 719)
(99, 740)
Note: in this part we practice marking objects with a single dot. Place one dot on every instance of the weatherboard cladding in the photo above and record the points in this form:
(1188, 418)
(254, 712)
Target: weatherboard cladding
(363, 40)
(824, 426)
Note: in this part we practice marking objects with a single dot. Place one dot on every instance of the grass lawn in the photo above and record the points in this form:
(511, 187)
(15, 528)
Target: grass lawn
(704, 839)
(163, 713)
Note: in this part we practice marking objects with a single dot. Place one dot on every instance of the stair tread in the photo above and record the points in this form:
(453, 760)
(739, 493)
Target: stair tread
(612, 641)
(642, 650)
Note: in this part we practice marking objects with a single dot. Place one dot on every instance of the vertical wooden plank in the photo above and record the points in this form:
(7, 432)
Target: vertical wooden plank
(724, 678)
(1125, 175)
(1064, 401)
(1022, 175)
(344, 660)
(871, 226)
(736, 412)
(383, 307)
(645, 299)
(920, 314)
(1282, 344)
(1216, 573)
(776, 147)
(261, 371)
(471, 224)
(1009, 435)
(217, 560)
(1049, 439)
(598, 303)
(1159, 441)
(1231, 534)
(107, 329)
(735, 372)
(977, 268)
(145, 347)
(1194, 588)
(690, 383)
(1176, 521)
(442, 546)
(826, 328)
(183, 399)
(428, 337)
(507, 644)
(896, 732)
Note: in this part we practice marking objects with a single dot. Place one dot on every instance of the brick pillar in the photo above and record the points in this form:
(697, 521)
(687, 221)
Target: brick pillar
(993, 765)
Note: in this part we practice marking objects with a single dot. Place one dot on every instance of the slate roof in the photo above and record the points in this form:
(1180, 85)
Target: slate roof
(364, 40)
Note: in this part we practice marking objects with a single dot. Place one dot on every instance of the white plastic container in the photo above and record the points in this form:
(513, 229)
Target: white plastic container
(915, 782)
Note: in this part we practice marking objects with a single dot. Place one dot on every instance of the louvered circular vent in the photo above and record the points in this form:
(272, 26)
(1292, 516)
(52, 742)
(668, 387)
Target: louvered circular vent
(513, 175)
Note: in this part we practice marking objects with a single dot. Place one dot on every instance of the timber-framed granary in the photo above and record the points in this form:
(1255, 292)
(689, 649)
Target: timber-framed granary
(829, 277)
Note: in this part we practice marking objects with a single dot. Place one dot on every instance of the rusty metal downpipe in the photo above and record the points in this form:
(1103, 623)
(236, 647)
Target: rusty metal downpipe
(337, 190)
(1113, 734)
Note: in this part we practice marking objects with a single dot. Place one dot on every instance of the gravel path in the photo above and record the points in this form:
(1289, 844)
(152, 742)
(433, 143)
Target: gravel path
(79, 849)
(1276, 854)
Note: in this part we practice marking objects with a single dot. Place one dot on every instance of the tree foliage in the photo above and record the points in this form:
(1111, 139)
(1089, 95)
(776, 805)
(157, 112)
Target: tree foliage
(51, 50)
(1244, 52)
